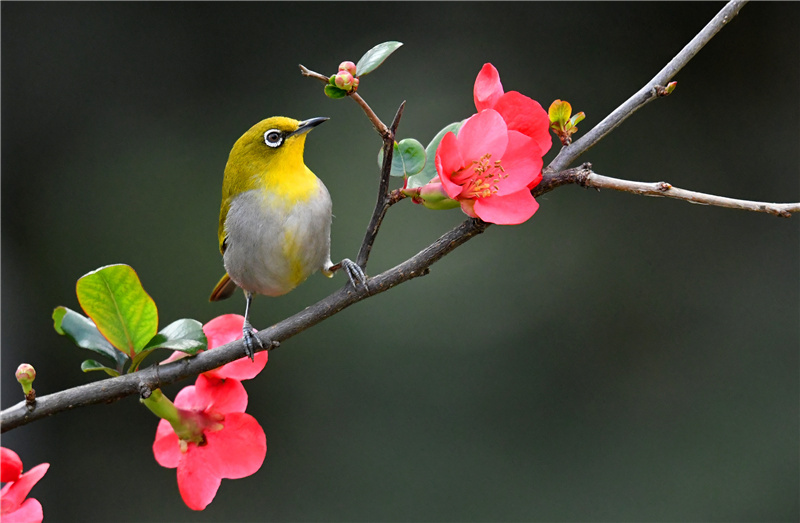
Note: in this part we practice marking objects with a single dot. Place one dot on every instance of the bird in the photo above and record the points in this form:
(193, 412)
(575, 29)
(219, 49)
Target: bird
(275, 218)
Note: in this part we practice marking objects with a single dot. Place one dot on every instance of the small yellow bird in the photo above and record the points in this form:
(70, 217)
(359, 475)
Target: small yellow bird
(275, 220)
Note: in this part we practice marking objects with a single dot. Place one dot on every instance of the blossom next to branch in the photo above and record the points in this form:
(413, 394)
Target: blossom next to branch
(519, 112)
(496, 158)
(488, 168)
(14, 508)
(207, 436)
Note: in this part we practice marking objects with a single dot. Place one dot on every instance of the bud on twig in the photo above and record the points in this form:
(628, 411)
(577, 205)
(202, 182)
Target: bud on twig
(25, 375)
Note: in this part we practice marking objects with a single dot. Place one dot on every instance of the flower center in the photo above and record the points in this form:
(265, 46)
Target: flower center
(482, 181)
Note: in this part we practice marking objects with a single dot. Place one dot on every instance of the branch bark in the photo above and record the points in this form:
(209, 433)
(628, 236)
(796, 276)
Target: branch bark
(649, 91)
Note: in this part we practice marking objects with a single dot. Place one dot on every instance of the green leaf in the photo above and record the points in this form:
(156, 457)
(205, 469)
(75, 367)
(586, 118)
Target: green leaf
(123, 312)
(83, 333)
(429, 171)
(331, 91)
(408, 157)
(185, 335)
(92, 365)
(559, 111)
(373, 58)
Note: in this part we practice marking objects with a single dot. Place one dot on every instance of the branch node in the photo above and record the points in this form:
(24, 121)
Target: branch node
(664, 186)
(144, 390)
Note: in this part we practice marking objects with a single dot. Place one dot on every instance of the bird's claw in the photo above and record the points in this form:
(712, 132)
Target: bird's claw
(250, 341)
(354, 272)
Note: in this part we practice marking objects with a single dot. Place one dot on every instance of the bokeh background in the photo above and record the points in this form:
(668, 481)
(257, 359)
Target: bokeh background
(616, 358)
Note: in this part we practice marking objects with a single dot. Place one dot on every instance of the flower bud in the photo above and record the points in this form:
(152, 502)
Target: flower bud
(343, 80)
(350, 67)
(355, 84)
(25, 375)
(432, 195)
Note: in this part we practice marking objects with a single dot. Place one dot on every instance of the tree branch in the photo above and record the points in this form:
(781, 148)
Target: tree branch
(585, 177)
(157, 376)
(376, 122)
(649, 92)
(384, 200)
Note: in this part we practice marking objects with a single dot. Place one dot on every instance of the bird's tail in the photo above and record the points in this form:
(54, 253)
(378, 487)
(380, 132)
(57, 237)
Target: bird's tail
(223, 290)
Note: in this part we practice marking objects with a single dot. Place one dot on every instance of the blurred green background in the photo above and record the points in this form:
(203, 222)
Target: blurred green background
(616, 358)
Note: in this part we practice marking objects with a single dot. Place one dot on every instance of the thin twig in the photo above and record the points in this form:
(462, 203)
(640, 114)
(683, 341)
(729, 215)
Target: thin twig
(599, 181)
(376, 122)
(383, 202)
(646, 94)
(585, 177)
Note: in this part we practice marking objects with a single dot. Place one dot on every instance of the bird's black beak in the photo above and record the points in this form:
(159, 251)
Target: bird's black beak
(307, 125)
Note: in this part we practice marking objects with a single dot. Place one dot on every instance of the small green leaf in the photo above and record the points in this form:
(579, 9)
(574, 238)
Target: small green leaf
(408, 157)
(331, 91)
(373, 58)
(559, 111)
(83, 333)
(429, 171)
(577, 118)
(92, 365)
(123, 312)
(185, 335)
(411, 154)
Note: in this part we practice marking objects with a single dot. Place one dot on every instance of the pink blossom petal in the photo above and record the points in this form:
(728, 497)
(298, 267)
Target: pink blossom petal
(222, 396)
(483, 133)
(468, 206)
(535, 181)
(239, 449)
(223, 329)
(15, 493)
(448, 162)
(243, 368)
(488, 88)
(196, 485)
(10, 465)
(166, 447)
(527, 116)
(522, 163)
(29, 512)
(510, 209)
(187, 399)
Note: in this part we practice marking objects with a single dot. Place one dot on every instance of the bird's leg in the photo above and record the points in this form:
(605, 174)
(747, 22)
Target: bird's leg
(250, 339)
(354, 272)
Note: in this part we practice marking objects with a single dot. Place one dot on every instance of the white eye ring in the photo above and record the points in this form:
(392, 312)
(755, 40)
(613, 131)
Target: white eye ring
(273, 138)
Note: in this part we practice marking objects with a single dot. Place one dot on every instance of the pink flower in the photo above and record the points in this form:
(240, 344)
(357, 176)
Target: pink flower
(520, 113)
(218, 440)
(14, 508)
(488, 169)
(496, 158)
(219, 331)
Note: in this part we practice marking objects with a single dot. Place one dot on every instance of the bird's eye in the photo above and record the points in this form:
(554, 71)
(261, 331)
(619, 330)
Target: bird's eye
(273, 138)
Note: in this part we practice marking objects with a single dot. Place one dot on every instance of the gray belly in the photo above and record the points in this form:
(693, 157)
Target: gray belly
(271, 247)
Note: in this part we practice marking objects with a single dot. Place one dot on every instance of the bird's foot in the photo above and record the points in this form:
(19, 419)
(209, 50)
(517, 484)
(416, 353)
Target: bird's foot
(251, 341)
(354, 272)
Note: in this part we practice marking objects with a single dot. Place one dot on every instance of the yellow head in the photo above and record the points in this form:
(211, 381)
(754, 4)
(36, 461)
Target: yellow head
(268, 156)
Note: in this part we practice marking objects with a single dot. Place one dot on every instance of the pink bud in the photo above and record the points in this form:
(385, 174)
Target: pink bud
(25, 375)
(344, 80)
(350, 67)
